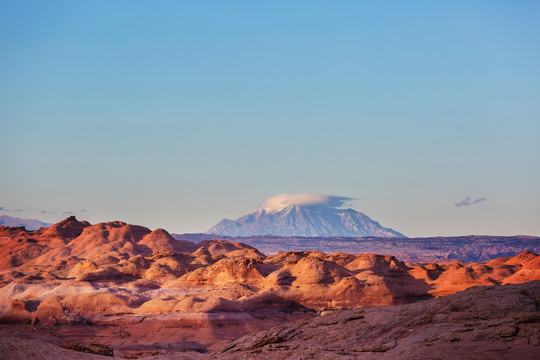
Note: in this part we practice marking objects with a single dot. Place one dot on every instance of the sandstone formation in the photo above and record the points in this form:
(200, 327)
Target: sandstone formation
(13, 348)
(140, 289)
(488, 322)
(493, 322)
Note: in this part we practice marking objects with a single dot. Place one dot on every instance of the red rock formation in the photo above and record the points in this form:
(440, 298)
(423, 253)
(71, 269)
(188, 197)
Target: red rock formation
(481, 323)
(219, 247)
(66, 230)
(160, 239)
(117, 274)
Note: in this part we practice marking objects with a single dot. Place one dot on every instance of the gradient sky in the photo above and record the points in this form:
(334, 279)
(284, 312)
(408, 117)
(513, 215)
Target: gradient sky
(177, 114)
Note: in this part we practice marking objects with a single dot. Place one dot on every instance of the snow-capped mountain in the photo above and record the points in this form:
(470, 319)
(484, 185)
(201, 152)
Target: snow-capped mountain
(29, 224)
(298, 220)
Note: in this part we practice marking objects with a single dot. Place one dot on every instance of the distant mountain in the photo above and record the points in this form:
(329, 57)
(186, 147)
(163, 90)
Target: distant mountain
(29, 224)
(298, 220)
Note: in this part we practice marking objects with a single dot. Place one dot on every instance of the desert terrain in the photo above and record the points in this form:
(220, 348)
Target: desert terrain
(142, 293)
(471, 248)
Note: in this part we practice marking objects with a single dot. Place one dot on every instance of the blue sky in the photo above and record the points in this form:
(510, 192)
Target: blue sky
(178, 114)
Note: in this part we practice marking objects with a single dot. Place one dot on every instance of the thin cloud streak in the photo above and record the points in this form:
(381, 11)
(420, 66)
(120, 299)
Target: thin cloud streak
(469, 201)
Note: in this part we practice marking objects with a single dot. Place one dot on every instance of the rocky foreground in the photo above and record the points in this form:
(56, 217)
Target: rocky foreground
(493, 322)
(140, 292)
(490, 322)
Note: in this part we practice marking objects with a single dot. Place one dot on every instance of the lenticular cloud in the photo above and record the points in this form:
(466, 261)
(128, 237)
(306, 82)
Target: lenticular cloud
(279, 202)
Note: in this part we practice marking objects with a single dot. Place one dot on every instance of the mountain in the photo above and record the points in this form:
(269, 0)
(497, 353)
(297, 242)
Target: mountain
(29, 224)
(298, 220)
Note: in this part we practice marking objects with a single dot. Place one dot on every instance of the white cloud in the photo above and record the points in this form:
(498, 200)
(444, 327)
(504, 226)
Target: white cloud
(279, 202)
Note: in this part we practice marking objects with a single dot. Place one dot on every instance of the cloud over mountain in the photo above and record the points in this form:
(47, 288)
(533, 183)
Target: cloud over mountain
(303, 215)
(282, 201)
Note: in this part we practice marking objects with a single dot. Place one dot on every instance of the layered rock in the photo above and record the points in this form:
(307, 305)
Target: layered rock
(70, 237)
(494, 322)
(128, 279)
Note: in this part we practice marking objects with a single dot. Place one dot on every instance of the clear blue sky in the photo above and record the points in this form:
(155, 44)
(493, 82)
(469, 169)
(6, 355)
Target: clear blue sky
(177, 114)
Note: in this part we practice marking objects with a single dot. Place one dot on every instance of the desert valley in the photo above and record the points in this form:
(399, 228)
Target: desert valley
(139, 293)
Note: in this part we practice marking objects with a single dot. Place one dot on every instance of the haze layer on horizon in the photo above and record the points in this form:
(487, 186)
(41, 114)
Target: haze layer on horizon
(177, 115)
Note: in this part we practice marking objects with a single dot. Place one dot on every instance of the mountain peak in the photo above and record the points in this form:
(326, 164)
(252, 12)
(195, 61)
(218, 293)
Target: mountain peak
(304, 215)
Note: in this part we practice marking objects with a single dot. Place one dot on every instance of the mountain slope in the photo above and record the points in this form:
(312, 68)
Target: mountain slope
(296, 220)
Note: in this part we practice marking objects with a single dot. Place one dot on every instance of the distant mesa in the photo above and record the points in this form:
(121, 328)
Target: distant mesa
(304, 215)
(29, 224)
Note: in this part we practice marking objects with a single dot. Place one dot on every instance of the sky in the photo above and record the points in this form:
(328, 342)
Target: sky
(178, 114)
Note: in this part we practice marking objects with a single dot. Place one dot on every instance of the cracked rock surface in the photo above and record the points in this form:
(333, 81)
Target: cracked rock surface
(493, 322)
